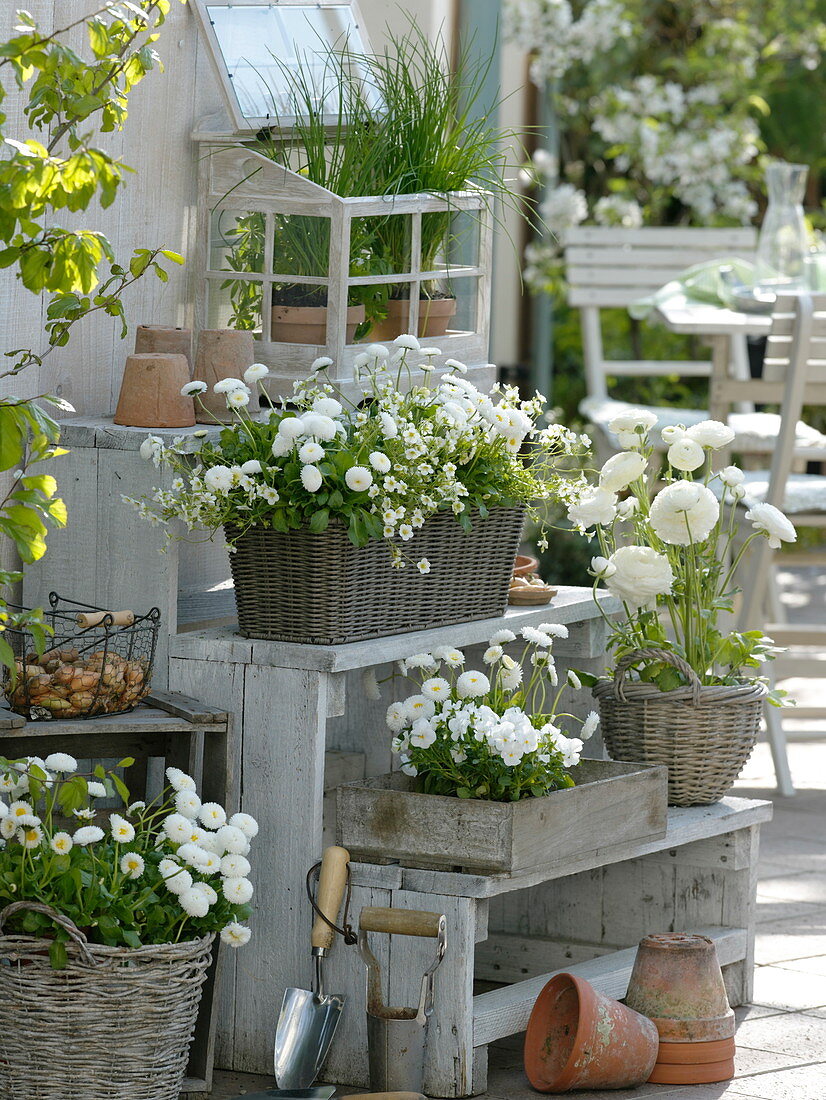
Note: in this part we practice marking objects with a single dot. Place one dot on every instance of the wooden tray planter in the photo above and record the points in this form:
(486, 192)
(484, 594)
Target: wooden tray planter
(384, 819)
(319, 589)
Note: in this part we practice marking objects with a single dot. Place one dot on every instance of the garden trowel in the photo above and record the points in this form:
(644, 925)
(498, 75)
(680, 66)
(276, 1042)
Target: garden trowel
(308, 1019)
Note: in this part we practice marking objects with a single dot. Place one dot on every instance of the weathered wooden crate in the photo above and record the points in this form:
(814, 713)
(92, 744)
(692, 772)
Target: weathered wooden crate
(384, 818)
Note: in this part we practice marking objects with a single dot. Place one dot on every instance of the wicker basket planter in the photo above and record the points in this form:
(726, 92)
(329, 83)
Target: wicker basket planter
(704, 735)
(386, 818)
(115, 1023)
(320, 589)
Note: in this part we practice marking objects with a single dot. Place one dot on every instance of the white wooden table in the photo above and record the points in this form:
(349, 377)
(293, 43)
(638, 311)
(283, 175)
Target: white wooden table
(291, 703)
(717, 327)
(583, 915)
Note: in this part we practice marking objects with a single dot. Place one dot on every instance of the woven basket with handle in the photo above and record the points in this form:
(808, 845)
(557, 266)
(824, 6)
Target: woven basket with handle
(320, 589)
(116, 1023)
(703, 734)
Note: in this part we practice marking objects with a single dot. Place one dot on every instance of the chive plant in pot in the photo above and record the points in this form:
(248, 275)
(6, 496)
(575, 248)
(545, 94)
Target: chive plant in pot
(107, 925)
(684, 690)
(490, 774)
(354, 519)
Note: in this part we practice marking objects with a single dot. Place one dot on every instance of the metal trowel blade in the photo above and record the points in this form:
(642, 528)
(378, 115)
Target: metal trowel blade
(306, 1026)
(315, 1092)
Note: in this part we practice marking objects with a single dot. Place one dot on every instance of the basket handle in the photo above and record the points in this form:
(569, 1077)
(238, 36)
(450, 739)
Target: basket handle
(673, 659)
(67, 925)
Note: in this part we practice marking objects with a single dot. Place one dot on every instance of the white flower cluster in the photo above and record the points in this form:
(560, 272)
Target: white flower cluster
(691, 149)
(468, 718)
(556, 39)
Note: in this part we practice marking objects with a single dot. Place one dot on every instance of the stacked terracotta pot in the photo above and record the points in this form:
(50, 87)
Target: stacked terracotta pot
(677, 983)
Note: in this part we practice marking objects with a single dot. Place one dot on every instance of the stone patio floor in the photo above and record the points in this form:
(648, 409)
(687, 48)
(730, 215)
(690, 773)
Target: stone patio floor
(781, 1037)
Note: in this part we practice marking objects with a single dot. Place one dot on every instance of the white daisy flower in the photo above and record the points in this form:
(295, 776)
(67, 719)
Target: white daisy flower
(88, 834)
(255, 373)
(436, 688)
(230, 839)
(96, 790)
(380, 462)
(123, 831)
(235, 934)
(327, 406)
(233, 866)
(407, 342)
(180, 781)
(237, 891)
(472, 685)
(193, 388)
(322, 363)
(502, 637)
(311, 451)
(492, 654)
(419, 706)
(8, 827)
(238, 399)
(208, 891)
(212, 815)
(87, 814)
(536, 637)
(229, 385)
(193, 902)
(589, 725)
(20, 809)
(30, 836)
(574, 680)
(290, 428)
(247, 824)
(61, 762)
(396, 717)
(132, 864)
(311, 478)
(358, 478)
(61, 843)
(251, 466)
(554, 630)
(135, 808)
(178, 828)
(453, 658)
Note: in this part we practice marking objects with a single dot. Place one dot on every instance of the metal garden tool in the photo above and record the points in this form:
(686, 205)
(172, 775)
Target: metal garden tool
(396, 1036)
(308, 1018)
(316, 1092)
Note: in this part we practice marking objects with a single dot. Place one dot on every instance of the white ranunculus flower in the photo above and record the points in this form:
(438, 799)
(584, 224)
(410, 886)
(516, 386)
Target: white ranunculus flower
(311, 478)
(684, 513)
(255, 373)
(772, 522)
(627, 508)
(595, 506)
(732, 476)
(686, 455)
(602, 568)
(635, 420)
(673, 433)
(641, 574)
(358, 478)
(621, 469)
(711, 433)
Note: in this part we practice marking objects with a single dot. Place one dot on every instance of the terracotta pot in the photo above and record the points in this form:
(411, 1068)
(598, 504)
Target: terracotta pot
(169, 341)
(675, 1054)
(150, 393)
(222, 353)
(525, 565)
(677, 982)
(434, 316)
(664, 1074)
(579, 1039)
(308, 324)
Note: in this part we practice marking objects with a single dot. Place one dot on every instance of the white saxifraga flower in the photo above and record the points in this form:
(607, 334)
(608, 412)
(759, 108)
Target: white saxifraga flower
(88, 834)
(380, 462)
(641, 574)
(193, 388)
(472, 685)
(773, 523)
(123, 831)
(237, 891)
(423, 565)
(594, 507)
(255, 373)
(61, 843)
(711, 433)
(179, 781)
(436, 688)
(621, 469)
(311, 478)
(310, 452)
(684, 513)
(61, 762)
(132, 864)
(358, 478)
(686, 455)
(235, 934)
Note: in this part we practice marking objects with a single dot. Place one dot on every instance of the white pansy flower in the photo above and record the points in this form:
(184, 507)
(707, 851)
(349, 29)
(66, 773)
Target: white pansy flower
(595, 506)
(255, 373)
(711, 433)
(235, 934)
(686, 455)
(472, 685)
(640, 575)
(684, 513)
(358, 478)
(311, 478)
(193, 388)
(621, 469)
(772, 522)
(422, 734)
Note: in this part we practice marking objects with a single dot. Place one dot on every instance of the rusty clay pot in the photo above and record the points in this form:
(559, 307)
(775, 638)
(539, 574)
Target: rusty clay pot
(677, 983)
(578, 1038)
(150, 393)
(169, 341)
(222, 353)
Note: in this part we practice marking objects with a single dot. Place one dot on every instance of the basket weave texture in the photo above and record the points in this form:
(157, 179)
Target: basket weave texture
(320, 589)
(115, 1024)
(703, 734)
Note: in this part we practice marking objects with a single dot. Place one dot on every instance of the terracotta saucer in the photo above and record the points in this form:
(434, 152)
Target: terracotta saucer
(705, 1074)
(695, 1053)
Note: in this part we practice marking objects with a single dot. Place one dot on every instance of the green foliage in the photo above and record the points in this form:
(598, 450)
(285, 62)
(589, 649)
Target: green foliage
(70, 99)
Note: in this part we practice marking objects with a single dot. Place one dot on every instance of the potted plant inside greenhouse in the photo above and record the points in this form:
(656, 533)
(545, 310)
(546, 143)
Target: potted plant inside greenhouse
(685, 690)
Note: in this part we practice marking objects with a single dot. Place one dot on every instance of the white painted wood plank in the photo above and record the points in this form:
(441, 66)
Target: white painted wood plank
(669, 236)
(699, 319)
(506, 1011)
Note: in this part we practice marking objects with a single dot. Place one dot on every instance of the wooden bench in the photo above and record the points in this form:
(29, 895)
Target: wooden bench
(167, 729)
(584, 915)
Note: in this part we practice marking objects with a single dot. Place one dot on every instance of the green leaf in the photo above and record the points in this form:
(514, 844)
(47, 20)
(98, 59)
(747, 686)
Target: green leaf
(57, 955)
(319, 521)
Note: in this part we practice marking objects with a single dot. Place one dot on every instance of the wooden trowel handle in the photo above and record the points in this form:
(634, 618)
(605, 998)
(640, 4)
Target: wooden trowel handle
(331, 882)
(119, 618)
(400, 922)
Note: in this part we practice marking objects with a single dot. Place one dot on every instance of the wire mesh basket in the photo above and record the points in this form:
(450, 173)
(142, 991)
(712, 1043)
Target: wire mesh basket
(99, 662)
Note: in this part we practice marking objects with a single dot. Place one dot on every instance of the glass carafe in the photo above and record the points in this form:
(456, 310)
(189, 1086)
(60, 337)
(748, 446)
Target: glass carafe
(782, 246)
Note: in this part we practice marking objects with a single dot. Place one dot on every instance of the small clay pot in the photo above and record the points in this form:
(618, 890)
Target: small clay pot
(578, 1038)
(691, 1054)
(677, 983)
(525, 565)
(222, 353)
(434, 316)
(168, 341)
(664, 1074)
(150, 393)
(308, 324)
